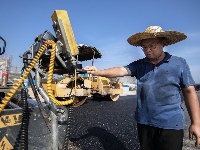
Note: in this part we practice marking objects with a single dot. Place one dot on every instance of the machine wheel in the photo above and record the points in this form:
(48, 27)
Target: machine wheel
(113, 97)
(79, 100)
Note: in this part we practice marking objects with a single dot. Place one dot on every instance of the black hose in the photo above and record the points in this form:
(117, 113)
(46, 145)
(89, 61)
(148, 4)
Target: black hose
(30, 79)
(25, 121)
(66, 144)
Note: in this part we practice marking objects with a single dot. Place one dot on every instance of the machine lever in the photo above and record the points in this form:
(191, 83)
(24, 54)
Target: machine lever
(81, 70)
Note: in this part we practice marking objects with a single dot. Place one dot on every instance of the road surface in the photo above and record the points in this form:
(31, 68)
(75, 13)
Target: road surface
(108, 125)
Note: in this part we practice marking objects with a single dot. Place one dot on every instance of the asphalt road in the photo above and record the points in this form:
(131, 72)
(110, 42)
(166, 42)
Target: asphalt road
(107, 125)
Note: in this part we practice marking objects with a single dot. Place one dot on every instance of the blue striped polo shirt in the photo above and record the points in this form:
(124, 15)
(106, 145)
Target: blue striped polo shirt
(159, 91)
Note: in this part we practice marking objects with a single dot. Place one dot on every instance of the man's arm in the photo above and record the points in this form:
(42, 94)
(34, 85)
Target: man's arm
(192, 104)
(110, 72)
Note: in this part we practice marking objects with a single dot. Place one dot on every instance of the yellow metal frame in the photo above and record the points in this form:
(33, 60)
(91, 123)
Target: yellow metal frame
(61, 16)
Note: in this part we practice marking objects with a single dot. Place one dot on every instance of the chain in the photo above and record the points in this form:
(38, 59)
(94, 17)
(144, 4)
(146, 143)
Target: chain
(67, 144)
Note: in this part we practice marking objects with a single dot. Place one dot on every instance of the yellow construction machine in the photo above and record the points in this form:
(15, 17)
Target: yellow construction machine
(61, 82)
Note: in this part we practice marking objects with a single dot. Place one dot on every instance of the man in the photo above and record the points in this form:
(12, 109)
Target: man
(160, 79)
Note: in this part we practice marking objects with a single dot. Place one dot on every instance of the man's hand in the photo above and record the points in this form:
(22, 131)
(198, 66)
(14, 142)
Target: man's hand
(92, 70)
(194, 130)
(192, 104)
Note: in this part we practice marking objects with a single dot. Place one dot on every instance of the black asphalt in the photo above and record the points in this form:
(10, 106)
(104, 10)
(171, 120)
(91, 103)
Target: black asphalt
(105, 125)
(108, 125)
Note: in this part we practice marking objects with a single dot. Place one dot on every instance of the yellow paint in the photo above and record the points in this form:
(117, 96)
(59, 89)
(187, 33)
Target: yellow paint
(10, 120)
(5, 144)
(69, 35)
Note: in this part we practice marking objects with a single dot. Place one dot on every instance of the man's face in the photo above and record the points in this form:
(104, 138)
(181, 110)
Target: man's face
(152, 48)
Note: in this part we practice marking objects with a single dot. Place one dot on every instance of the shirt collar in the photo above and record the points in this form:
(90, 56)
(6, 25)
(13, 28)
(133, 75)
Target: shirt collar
(166, 59)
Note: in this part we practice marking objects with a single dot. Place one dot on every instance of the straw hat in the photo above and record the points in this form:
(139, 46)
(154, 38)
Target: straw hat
(171, 37)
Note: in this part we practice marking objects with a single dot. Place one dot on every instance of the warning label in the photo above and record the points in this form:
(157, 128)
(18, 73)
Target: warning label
(10, 120)
(5, 144)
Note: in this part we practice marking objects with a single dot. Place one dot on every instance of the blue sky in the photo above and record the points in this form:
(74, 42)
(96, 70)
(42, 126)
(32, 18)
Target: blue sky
(104, 24)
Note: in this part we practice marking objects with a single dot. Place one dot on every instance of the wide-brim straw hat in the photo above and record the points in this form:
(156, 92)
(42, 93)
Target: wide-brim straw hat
(171, 37)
